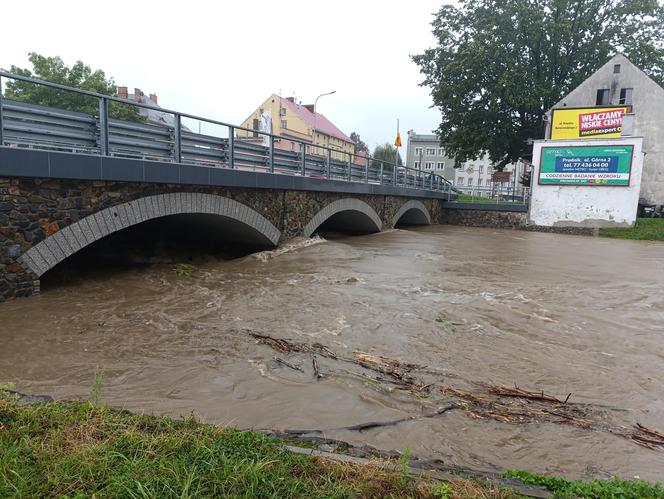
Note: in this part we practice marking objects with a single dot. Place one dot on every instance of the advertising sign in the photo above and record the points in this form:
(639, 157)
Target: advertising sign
(586, 165)
(588, 123)
(501, 177)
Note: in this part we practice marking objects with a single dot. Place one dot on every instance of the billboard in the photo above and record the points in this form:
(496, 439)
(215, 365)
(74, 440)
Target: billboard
(587, 122)
(586, 165)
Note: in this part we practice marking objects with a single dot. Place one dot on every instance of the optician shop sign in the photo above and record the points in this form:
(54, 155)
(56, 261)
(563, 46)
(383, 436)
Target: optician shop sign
(587, 122)
(586, 165)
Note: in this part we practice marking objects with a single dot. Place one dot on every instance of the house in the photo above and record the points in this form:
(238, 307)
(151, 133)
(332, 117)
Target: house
(621, 83)
(295, 123)
(424, 152)
(153, 117)
(480, 176)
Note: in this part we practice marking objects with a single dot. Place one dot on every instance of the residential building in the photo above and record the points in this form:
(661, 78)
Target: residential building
(424, 152)
(295, 123)
(481, 177)
(153, 117)
(619, 82)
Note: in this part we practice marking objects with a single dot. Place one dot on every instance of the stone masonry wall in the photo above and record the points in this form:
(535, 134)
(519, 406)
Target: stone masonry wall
(33, 209)
(485, 218)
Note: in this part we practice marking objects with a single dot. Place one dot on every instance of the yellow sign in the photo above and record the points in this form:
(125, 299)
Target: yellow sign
(588, 122)
(397, 141)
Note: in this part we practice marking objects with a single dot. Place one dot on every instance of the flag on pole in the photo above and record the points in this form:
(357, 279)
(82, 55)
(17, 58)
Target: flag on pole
(397, 141)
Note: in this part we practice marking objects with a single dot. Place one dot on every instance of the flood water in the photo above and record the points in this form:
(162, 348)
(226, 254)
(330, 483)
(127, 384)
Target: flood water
(547, 312)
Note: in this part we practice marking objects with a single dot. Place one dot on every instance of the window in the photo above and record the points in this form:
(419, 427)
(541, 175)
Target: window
(441, 151)
(428, 165)
(470, 180)
(440, 165)
(616, 68)
(282, 111)
(460, 181)
(431, 151)
(284, 124)
(418, 151)
(625, 96)
(417, 165)
(481, 168)
(256, 127)
(602, 97)
(488, 181)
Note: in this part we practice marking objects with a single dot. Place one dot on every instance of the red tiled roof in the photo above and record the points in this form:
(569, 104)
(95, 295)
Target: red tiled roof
(322, 124)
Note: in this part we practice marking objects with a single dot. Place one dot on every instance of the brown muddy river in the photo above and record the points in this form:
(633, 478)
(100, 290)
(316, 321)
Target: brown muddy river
(546, 312)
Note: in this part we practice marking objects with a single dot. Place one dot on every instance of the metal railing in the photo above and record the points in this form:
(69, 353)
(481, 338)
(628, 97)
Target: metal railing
(495, 194)
(43, 127)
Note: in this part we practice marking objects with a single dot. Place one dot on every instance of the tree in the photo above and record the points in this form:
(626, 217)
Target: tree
(499, 65)
(80, 75)
(360, 146)
(387, 155)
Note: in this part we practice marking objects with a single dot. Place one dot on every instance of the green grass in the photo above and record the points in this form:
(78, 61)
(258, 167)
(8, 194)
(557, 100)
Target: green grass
(78, 449)
(645, 229)
(614, 488)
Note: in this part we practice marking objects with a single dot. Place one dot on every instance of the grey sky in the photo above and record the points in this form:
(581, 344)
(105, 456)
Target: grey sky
(222, 59)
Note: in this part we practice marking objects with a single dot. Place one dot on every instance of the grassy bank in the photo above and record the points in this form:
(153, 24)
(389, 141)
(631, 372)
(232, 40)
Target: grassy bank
(78, 449)
(645, 229)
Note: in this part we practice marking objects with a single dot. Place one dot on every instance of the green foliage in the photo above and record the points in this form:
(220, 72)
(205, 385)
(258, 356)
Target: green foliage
(7, 386)
(183, 270)
(82, 450)
(386, 154)
(645, 229)
(79, 75)
(443, 491)
(614, 488)
(499, 65)
(95, 387)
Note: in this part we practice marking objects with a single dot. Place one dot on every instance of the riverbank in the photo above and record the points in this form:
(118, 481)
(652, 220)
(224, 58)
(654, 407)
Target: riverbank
(81, 449)
(645, 229)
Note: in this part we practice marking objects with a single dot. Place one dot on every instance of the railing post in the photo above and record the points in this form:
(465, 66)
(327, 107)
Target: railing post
(394, 173)
(271, 157)
(231, 147)
(103, 126)
(2, 140)
(366, 172)
(303, 159)
(381, 172)
(177, 150)
(329, 164)
(350, 169)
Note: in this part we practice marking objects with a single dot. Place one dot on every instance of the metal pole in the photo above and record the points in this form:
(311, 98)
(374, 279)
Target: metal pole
(2, 142)
(271, 158)
(394, 173)
(178, 139)
(381, 172)
(350, 169)
(366, 171)
(103, 126)
(328, 162)
(303, 159)
(231, 147)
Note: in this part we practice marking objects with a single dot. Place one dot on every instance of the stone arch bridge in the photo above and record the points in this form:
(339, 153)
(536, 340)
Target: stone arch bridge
(47, 216)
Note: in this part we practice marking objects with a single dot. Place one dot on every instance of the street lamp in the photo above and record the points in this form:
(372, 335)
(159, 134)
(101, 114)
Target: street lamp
(313, 135)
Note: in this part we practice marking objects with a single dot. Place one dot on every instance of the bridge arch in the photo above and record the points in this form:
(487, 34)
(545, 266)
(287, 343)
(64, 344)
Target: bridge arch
(54, 249)
(352, 214)
(412, 212)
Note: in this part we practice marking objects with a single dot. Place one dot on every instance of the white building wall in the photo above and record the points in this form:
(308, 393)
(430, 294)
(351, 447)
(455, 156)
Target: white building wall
(585, 206)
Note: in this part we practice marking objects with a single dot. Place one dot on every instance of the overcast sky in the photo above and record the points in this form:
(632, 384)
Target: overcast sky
(222, 59)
